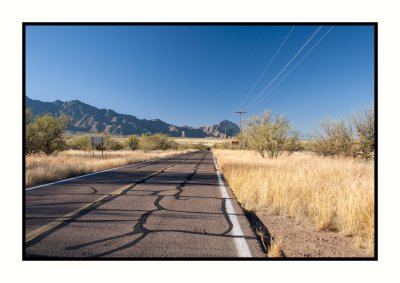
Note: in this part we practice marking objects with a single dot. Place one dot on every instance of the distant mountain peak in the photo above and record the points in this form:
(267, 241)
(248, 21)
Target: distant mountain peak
(86, 118)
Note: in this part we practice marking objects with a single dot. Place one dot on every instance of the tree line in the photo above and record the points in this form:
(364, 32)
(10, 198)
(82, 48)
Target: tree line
(132, 142)
(46, 135)
(272, 135)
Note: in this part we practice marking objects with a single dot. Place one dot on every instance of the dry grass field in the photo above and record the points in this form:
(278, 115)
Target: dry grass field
(334, 193)
(41, 169)
(205, 141)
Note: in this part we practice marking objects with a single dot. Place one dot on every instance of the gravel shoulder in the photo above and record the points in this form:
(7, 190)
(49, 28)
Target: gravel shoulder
(301, 239)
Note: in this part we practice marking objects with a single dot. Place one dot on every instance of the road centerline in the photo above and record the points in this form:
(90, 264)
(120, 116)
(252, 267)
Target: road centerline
(59, 221)
(138, 217)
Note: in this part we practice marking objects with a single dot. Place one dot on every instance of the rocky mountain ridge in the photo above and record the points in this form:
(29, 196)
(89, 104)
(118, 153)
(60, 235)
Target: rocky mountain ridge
(89, 119)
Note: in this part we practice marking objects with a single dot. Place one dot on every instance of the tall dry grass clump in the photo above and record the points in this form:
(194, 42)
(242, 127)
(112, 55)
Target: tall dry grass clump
(334, 193)
(275, 248)
(40, 169)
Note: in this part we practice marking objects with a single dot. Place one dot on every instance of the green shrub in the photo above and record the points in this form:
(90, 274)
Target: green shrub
(268, 135)
(113, 144)
(132, 142)
(355, 138)
(79, 143)
(200, 146)
(190, 145)
(28, 116)
(226, 145)
(156, 142)
(45, 134)
(293, 143)
(242, 141)
(364, 124)
(336, 139)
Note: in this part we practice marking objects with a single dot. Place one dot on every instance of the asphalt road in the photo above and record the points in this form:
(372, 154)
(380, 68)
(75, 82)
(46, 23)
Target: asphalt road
(175, 207)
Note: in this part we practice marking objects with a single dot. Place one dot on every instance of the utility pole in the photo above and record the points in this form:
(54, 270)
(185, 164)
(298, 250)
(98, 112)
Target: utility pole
(240, 113)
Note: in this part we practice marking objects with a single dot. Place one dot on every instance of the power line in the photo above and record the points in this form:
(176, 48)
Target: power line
(297, 63)
(250, 104)
(257, 97)
(266, 68)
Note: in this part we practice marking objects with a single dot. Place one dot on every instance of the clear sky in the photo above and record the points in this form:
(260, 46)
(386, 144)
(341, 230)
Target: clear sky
(199, 75)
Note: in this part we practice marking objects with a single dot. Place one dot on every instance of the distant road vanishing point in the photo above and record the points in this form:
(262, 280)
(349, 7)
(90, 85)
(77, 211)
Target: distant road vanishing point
(173, 207)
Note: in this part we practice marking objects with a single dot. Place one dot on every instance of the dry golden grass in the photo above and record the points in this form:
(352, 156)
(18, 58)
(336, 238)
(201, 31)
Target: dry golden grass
(205, 141)
(41, 169)
(335, 194)
(275, 248)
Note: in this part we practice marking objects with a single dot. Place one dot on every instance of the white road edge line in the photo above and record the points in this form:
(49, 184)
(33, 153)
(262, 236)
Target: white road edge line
(240, 242)
(94, 173)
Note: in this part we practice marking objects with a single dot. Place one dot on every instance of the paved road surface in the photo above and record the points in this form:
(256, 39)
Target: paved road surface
(175, 207)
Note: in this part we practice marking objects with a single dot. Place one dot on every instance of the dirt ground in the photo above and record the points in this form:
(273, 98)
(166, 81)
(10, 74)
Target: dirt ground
(301, 239)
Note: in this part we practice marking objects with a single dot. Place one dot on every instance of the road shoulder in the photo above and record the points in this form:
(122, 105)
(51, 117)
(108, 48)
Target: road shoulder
(301, 239)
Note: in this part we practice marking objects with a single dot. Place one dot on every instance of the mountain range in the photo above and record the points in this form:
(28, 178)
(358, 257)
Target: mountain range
(89, 119)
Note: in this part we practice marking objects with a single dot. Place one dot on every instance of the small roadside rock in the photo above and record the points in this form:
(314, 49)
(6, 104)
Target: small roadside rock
(300, 238)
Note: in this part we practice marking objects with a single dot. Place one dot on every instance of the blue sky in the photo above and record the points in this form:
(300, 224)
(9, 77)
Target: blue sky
(199, 75)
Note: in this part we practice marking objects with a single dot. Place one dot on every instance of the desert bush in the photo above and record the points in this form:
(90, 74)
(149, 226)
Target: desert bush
(200, 146)
(242, 141)
(188, 146)
(355, 138)
(31, 143)
(132, 142)
(364, 125)
(269, 135)
(318, 147)
(79, 143)
(45, 134)
(293, 143)
(184, 146)
(28, 116)
(157, 141)
(226, 145)
(113, 144)
(336, 139)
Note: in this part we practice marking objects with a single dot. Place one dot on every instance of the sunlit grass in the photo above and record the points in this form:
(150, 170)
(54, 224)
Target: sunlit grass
(205, 141)
(41, 169)
(335, 194)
